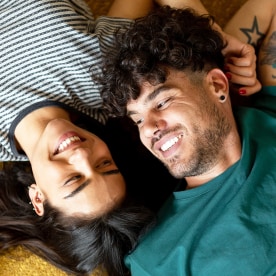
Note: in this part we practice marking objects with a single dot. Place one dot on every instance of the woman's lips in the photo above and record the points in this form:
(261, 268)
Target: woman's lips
(66, 141)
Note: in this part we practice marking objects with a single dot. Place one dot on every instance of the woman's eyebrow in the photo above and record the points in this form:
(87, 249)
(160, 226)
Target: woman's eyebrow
(80, 188)
(84, 184)
(111, 172)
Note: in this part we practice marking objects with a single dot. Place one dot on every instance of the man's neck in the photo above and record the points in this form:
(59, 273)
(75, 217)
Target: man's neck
(230, 153)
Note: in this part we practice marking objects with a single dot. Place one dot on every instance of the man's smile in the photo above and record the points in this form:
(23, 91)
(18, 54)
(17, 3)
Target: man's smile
(170, 143)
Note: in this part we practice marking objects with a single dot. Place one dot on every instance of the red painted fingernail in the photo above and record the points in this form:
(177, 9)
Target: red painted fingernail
(228, 75)
(226, 68)
(242, 91)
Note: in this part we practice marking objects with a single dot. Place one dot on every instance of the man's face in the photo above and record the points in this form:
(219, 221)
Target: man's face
(180, 122)
(74, 170)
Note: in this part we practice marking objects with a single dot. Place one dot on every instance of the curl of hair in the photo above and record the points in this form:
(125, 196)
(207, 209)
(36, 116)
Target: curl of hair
(166, 38)
(76, 245)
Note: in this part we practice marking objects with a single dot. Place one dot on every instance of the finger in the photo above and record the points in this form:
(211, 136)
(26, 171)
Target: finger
(245, 90)
(246, 71)
(250, 90)
(242, 61)
(245, 56)
(242, 79)
(243, 76)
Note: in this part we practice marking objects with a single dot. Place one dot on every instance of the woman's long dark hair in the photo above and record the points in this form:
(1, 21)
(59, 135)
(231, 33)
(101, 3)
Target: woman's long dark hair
(75, 245)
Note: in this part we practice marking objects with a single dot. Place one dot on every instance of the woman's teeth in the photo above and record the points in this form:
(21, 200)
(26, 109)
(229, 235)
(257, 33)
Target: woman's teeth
(67, 142)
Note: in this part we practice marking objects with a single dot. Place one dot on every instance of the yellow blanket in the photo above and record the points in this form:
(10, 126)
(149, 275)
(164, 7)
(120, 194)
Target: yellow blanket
(20, 262)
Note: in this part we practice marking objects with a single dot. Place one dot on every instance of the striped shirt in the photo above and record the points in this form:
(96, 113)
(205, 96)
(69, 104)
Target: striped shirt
(48, 51)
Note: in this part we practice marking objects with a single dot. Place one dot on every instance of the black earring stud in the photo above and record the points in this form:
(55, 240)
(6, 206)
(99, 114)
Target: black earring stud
(222, 98)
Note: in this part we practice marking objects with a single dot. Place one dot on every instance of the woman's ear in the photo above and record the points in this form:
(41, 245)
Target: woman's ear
(37, 199)
(217, 79)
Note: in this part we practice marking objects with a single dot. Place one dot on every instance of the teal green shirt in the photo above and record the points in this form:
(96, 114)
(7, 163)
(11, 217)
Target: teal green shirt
(228, 225)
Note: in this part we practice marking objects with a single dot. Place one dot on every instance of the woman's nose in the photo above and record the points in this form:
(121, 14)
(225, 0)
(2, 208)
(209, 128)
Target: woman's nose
(79, 156)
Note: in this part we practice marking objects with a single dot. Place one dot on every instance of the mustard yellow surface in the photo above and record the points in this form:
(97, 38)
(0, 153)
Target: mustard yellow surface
(20, 262)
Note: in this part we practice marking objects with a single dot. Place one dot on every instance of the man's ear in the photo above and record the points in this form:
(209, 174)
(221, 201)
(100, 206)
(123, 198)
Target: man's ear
(219, 81)
(37, 199)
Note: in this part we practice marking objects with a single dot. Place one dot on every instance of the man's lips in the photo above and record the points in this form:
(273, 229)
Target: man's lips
(66, 141)
(168, 144)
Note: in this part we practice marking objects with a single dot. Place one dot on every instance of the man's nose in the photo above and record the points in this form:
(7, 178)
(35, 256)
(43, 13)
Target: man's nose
(152, 126)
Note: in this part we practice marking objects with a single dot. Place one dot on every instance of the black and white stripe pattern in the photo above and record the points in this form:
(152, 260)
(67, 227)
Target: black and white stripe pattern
(48, 51)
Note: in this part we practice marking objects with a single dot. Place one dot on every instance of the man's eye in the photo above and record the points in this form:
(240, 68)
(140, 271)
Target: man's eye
(162, 104)
(72, 179)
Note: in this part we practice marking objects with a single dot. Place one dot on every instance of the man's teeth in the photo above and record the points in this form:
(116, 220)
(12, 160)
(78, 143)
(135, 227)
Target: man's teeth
(67, 142)
(170, 143)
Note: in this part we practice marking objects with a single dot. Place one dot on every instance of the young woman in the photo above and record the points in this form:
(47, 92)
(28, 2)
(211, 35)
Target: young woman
(49, 51)
(80, 223)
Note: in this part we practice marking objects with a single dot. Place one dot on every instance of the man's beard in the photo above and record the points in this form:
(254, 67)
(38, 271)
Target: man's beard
(207, 148)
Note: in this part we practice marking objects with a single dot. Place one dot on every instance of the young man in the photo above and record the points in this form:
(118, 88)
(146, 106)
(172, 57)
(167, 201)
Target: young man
(168, 77)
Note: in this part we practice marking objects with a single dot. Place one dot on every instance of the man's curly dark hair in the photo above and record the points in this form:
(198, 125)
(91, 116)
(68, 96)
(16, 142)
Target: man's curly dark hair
(166, 38)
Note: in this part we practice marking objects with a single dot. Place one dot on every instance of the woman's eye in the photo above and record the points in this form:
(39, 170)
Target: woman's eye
(72, 179)
(136, 120)
(104, 164)
(139, 122)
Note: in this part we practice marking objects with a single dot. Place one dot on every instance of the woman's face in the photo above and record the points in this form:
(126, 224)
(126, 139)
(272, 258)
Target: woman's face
(74, 171)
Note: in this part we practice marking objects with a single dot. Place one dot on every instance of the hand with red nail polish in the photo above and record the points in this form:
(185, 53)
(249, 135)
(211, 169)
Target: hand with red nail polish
(242, 92)
(240, 66)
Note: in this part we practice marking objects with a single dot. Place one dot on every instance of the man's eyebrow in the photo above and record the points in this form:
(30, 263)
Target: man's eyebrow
(151, 97)
(80, 188)
(84, 184)
(156, 92)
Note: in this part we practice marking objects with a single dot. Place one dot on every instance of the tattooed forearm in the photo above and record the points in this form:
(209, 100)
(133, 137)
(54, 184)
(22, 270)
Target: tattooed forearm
(254, 36)
(269, 52)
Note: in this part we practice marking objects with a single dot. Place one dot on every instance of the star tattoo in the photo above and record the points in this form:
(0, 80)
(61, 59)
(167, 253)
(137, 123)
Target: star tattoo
(254, 35)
